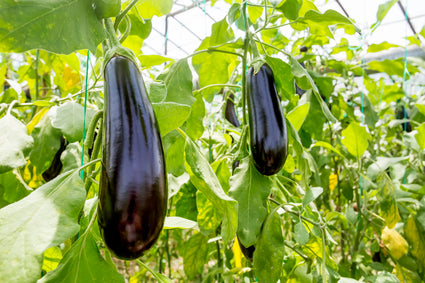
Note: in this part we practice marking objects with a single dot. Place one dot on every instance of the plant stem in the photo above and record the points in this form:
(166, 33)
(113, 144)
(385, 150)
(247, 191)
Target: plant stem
(219, 261)
(216, 85)
(11, 106)
(211, 49)
(110, 33)
(124, 12)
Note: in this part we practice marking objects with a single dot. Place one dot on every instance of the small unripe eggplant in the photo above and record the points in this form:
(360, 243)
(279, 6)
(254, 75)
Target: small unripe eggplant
(229, 112)
(268, 134)
(133, 185)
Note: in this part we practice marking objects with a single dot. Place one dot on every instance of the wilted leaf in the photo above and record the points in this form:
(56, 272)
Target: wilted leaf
(387, 200)
(195, 255)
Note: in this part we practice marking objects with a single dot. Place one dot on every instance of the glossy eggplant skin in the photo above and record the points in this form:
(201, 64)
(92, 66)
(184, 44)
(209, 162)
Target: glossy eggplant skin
(268, 133)
(230, 112)
(133, 186)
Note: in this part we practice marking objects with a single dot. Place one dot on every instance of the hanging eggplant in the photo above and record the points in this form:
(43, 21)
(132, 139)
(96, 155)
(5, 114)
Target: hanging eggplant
(133, 186)
(268, 134)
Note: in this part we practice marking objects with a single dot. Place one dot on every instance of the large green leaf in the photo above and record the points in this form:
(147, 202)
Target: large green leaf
(387, 200)
(178, 81)
(195, 255)
(14, 143)
(69, 119)
(355, 139)
(46, 143)
(170, 115)
(45, 218)
(204, 179)
(59, 26)
(150, 8)
(392, 67)
(382, 164)
(381, 46)
(251, 190)
(83, 263)
(269, 250)
(221, 33)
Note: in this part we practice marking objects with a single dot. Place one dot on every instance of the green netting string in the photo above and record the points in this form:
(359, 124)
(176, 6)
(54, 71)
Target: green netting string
(85, 111)
(405, 75)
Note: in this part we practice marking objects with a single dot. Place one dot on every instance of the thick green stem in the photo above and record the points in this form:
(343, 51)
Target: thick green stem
(91, 130)
(95, 153)
(110, 33)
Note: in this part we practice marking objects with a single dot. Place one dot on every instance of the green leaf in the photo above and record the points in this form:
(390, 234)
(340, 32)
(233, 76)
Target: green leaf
(175, 183)
(204, 179)
(194, 126)
(13, 187)
(49, 25)
(387, 200)
(139, 28)
(328, 146)
(178, 81)
(284, 83)
(45, 218)
(290, 8)
(175, 222)
(298, 115)
(381, 46)
(301, 234)
(71, 157)
(312, 194)
(420, 136)
(269, 250)
(355, 139)
(319, 23)
(251, 190)
(170, 115)
(153, 60)
(254, 13)
(14, 143)
(69, 119)
(392, 67)
(212, 67)
(52, 257)
(383, 9)
(150, 8)
(46, 144)
(220, 33)
(208, 217)
(382, 164)
(195, 255)
(83, 263)
(186, 203)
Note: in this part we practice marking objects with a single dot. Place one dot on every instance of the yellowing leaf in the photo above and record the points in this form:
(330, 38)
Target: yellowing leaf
(237, 253)
(416, 240)
(36, 120)
(333, 181)
(394, 242)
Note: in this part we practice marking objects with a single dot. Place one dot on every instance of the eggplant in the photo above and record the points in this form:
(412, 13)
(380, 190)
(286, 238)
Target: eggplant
(268, 133)
(56, 165)
(401, 113)
(248, 252)
(133, 186)
(229, 112)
